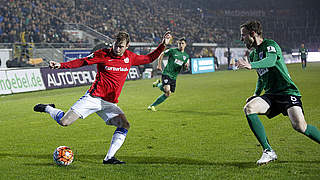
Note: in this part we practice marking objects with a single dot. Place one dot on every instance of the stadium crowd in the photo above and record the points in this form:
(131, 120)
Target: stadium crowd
(44, 21)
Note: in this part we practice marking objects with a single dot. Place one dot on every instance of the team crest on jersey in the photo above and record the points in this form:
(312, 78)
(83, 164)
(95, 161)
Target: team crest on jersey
(184, 58)
(261, 55)
(126, 60)
(271, 49)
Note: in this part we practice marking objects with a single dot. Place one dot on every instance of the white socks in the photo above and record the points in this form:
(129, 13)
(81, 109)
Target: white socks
(54, 113)
(117, 140)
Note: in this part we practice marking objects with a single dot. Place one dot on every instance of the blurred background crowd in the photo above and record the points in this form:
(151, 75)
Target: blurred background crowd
(209, 21)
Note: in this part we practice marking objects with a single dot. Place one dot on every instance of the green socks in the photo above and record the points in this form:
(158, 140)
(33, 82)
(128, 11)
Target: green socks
(258, 130)
(160, 86)
(159, 100)
(313, 133)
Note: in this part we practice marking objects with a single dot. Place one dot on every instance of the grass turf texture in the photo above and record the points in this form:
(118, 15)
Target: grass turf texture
(198, 133)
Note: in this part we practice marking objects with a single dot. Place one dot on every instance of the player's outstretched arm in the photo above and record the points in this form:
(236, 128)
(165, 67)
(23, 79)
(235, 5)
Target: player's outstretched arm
(146, 59)
(54, 65)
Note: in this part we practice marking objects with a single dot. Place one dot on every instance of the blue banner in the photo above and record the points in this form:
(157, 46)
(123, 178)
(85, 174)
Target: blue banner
(74, 54)
(202, 65)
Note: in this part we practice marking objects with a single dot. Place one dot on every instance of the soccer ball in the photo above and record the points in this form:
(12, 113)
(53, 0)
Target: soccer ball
(63, 156)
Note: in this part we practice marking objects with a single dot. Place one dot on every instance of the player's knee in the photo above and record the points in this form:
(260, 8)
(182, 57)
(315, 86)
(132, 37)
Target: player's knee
(65, 121)
(248, 109)
(299, 127)
(167, 94)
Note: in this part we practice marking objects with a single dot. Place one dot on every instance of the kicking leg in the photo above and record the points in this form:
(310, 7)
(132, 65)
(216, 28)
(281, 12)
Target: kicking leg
(299, 124)
(69, 118)
(64, 119)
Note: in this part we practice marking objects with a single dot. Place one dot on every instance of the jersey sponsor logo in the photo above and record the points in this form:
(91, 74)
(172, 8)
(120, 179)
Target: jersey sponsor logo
(271, 49)
(109, 68)
(179, 62)
(126, 60)
(262, 71)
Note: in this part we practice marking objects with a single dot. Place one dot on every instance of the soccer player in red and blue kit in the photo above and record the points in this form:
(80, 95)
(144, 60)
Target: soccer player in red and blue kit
(113, 65)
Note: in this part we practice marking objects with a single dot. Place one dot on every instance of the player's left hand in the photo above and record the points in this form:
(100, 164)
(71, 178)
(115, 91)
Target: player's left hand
(241, 63)
(167, 37)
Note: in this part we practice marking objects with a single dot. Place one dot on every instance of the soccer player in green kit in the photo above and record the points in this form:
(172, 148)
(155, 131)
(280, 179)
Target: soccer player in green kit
(281, 94)
(303, 55)
(177, 58)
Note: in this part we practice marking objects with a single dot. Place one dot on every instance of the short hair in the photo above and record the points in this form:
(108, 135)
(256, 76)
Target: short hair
(123, 36)
(253, 26)
(183, 39)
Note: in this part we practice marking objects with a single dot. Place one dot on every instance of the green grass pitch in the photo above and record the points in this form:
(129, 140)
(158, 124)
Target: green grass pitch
(198, 133)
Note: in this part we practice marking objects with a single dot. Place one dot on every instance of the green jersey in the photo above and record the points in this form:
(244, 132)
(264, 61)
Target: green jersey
(273, 75)
(303, 53)
(176, 60)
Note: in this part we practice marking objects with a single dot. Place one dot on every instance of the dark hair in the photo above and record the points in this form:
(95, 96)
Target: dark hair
(253, 26)
(183, 39)
(123, 36)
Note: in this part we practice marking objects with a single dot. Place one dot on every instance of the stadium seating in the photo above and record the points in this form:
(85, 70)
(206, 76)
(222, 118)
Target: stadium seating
(146, 20)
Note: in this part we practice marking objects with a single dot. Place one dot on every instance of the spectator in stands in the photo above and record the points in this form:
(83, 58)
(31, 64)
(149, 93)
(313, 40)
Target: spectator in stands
(18, 62)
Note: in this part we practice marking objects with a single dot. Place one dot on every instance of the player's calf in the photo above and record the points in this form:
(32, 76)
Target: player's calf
(68, 118)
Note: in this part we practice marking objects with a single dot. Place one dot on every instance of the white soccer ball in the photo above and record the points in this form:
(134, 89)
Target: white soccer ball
(63, 156)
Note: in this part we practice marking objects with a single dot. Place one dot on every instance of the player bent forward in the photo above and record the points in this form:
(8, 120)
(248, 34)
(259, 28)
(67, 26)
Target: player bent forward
(281, 94)
(113, 65)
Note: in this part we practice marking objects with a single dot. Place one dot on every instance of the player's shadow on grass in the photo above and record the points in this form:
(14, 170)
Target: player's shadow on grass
(193, 112)
(92, 159)
(184, 161)
(31, 156)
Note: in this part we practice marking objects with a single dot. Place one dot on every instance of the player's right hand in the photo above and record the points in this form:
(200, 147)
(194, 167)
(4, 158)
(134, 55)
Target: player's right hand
(54, 65)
